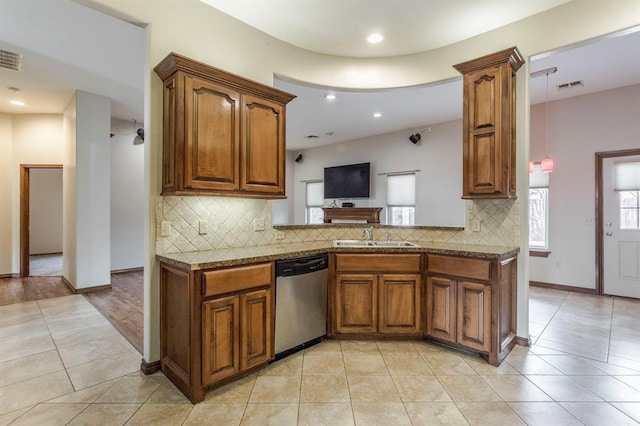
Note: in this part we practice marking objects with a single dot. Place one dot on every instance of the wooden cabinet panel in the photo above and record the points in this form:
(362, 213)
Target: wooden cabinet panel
(212, 136)
(460, 266)
(378, 262)
(221, 281)
(256, 328)
(263, 127)
(474, 315)
(399, 303)
(356, 303)
(220, 339)
(441, 308)
(171, 154)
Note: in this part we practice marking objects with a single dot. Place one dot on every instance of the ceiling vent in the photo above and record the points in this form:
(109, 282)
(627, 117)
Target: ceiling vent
(11, 60)
(577, 83)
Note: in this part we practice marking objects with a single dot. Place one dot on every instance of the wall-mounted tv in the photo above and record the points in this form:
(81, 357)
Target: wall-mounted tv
(350, 181)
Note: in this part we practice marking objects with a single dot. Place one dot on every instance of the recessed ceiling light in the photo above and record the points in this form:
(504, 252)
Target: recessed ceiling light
(377, 114)
(375, 38)
(330, 96)
(18, 103)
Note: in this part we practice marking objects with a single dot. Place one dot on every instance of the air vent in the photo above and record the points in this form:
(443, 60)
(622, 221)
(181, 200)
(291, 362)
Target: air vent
(11, 60)
(577, 83)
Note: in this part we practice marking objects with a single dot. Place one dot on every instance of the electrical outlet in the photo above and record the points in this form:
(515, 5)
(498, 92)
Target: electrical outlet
(588, 220)
(557, 265)
(258, 224)
(279, 235)
(475, 225)
(203, 227)
(165, 228)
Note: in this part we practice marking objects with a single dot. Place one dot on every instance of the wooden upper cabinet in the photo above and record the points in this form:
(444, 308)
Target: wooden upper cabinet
(222, 134)
(489, 146)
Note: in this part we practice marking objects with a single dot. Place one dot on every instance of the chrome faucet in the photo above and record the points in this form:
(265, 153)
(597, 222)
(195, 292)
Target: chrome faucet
(367, 233)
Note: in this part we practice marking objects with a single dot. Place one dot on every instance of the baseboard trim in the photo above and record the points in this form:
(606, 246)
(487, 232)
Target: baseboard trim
(523, 341)
(148, 368)
(84, 290)
(124, 271)
(10, 276)
(563, 287)
(46, 254)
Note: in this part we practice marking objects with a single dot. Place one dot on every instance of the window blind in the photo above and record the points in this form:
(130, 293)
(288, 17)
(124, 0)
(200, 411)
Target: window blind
(315, 193)
(401, 190)
(627, 177)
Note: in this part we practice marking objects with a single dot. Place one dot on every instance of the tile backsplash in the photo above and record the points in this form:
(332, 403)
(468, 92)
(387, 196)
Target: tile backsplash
(230, 223)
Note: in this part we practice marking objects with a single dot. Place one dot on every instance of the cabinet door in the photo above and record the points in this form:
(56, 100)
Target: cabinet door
(485, 171)
(220, 339)
(474, 315)
(399, 303)
(441, 308)
(212, 129)
(256, 336)
(356, 303)
(263, 150)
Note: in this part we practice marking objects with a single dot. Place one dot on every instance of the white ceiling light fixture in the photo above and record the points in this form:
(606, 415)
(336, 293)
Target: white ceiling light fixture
(375, 38)
(547, 164)
(377, 114)
(330, 96)
(17, 103)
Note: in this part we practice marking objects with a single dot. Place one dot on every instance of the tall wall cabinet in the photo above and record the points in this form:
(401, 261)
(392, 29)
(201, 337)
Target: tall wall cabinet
(489, 123)
(222, 134)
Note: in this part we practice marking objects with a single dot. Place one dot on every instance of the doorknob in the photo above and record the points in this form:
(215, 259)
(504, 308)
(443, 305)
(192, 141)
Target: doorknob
(609, 233)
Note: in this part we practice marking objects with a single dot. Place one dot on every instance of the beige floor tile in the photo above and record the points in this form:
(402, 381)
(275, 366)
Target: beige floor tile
(96, 414)
(324, 389)
(326, 346)
(28, 327)
(633, 381)
(581, 324)
(372, 389)
(490, 413)
(515, 388)
(434, 414)
(114, 346)
(626, 334)
(395, 347)
(73, 322)
(572, 365)
(631, 409)
(104, 369)
(50, 414)
(29, 367)
(563, 388)
(289, 366)
(463, 388)
(359, 347)
(236, 392)
(371, 364)
(83, 335)
(167, 393)
(84, 396)
(406, 364)
(215, 415)
(130, 389)
(583, 351)
(7, 418)
(20, 346)
(543, 414)
(481, 366)
(420, 389)
(270, 415)
(19, 313)
(380, 414)
(323, 363)
(609, 388)
(593, 342)
(276, 389)
(325, 413)
(622, 349)
(160, 414)
(445, 363)
(597, 413)
(623, 362)
(424, 346)
(33, 391)
(531, 364)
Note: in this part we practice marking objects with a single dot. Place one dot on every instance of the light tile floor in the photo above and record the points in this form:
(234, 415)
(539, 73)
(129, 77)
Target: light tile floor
(62, 363)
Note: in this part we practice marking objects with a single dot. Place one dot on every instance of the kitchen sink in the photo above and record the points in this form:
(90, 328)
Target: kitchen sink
(373, 244)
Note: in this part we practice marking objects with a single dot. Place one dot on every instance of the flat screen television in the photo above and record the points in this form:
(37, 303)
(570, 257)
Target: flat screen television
(350, 181)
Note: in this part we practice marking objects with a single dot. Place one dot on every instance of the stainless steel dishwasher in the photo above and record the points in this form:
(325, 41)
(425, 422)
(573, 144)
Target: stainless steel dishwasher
(301, 303)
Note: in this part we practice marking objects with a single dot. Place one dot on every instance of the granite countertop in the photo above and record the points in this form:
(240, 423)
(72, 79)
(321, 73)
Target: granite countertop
(238, 256)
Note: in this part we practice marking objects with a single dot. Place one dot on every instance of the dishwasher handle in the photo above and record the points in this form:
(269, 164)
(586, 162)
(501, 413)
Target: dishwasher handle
(299, 266)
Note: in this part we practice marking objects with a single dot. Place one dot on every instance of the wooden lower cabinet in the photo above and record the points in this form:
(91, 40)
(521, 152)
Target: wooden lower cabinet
(472, 303)
(215, 324)
(388, 300)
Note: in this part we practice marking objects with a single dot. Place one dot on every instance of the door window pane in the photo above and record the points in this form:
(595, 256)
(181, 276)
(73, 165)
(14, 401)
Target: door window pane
(538, 217)
(315, 200)
(629, 209)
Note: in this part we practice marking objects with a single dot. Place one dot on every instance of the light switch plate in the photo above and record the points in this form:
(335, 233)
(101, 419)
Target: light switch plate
(475, 225)
(165, 228)
(279, 235)
(258, 224)
(203, 227)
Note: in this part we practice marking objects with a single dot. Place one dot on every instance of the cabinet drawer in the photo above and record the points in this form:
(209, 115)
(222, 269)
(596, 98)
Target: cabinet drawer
(460, 266)
(378, 262)
(235, 279)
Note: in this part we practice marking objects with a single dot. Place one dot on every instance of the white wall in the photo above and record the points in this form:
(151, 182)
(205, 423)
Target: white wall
(438, 156)
(127, 195)
(45, 211)
(6, 204)
(578, 128)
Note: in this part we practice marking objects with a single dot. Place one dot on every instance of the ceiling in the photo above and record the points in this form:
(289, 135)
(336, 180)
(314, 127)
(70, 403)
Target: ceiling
(58, 62)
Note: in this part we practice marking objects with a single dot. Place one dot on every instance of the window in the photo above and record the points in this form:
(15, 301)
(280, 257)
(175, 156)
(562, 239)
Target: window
(627, 184)
(401, 199)
(315, 200)
(538, 209)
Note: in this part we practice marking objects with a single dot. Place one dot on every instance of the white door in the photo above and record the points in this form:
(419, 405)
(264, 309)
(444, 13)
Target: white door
(621, 239)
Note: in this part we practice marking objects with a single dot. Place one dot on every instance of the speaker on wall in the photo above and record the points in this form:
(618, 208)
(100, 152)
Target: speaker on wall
(298, 158)
(415, 138)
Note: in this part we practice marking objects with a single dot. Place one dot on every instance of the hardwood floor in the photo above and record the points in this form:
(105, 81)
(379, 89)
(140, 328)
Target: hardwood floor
(122, 305)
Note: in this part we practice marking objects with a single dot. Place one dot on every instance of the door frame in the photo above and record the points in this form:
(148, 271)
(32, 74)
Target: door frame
(25, 192)
(600, 156)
